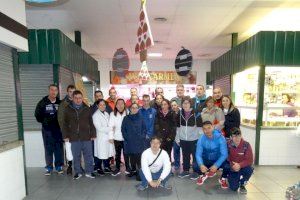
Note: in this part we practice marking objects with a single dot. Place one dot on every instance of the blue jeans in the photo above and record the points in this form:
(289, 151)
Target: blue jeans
(155, 176)
(53, 145)
(176, 155)
(86, 148)
(234, 178)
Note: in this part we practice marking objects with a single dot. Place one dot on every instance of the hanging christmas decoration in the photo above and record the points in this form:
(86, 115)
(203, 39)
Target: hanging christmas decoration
(183, 62)
(144, 41)
(120, 62)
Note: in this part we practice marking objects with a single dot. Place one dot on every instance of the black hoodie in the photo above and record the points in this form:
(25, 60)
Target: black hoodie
(46, 113)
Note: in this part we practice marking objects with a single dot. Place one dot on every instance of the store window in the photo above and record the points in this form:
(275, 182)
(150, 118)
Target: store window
(244, 94)
(282, 97)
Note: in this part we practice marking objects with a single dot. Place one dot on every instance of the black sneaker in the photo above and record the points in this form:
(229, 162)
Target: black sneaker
(131, 174)
(107, 170)
(48, 172)
(116, 172)
(91, 175)
(100, 172)
(77, 176)
(243, 190)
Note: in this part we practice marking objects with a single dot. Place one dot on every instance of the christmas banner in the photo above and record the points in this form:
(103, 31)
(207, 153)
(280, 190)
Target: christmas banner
(156, 77)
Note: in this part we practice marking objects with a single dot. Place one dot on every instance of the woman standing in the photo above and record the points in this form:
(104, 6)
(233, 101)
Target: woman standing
(165, 126)
(103, 146)
(115, 123)
(213, 114)
(232, 115)
(158, 99)
(187, 136)
(134, 133)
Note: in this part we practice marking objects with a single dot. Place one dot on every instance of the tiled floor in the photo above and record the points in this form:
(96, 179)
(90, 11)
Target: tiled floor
(266, 183)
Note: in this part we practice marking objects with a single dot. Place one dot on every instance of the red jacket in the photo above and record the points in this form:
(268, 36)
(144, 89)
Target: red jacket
(128, 103)
(111, 103)
(241, 154)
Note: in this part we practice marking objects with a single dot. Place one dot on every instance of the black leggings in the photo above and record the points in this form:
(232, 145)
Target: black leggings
(167, 146)
(135, 161)
(119, 146)
(188, 149)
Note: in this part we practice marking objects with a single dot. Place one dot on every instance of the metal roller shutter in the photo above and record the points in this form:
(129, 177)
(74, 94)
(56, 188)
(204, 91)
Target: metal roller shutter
(65, 79)
(35, 80)
(8, 110)
(224, 83)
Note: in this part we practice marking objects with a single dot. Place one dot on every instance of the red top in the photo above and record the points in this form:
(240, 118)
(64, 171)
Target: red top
(218, 103)
(111, 103)
(128, 103)
(241, 154)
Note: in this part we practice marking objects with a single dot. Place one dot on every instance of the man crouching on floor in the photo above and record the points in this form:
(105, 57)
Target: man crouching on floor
(156, 166)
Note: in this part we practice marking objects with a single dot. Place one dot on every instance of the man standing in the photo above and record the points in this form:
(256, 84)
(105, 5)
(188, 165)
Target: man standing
(241, 159)
(180, 94)
(199, 99)
(148, 114)
(211, 154)
(158, 91)
(80, 131)
(60, 115)
(156, 167)
(217, 96)
(46, 114)
(134, 98)
(111, 101)
(97, 96)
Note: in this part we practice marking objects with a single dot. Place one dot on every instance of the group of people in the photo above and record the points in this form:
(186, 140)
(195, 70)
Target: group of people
(144, 133)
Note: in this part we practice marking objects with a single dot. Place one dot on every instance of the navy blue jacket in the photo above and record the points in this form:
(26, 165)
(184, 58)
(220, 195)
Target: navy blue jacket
(134, 134)
(149, 116)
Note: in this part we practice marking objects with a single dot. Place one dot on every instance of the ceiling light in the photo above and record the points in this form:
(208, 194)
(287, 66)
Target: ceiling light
(41, 1)
(155, 54)
(85, 79)
(160, 19)
(45, 3)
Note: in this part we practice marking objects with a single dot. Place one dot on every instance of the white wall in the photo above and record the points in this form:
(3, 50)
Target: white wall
(15, 9)
(249, 134)
(12, 179)
(279, 147)
(34, 149)
(105, 65)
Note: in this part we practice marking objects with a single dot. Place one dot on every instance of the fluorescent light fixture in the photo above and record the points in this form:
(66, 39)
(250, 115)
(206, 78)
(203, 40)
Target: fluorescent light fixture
(280, 19)
(41, 1)
(155, 54)
(85, 79)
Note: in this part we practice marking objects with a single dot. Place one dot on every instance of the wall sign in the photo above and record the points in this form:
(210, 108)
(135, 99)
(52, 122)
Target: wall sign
(156, 77)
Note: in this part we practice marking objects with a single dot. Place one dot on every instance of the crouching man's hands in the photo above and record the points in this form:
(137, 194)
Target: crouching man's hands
(203, 169)
(155, 183)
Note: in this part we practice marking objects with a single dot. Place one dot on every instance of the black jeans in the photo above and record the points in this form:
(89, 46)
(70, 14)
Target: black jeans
(119, 146)
(135, 161)
(188, 149)
(167, 146)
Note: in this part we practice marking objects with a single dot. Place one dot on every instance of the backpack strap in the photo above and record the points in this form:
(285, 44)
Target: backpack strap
(155, 158)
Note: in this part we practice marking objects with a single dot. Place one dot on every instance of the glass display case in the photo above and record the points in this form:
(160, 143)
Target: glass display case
(244, 94)
(282, 97)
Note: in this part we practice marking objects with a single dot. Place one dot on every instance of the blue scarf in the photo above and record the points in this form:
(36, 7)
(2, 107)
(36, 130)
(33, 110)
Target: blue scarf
(77, 107)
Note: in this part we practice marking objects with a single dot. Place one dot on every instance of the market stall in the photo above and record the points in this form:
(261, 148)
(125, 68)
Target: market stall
(265, 74)
(52, 58)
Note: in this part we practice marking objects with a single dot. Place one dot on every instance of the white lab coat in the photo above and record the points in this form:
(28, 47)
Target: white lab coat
(102, 148)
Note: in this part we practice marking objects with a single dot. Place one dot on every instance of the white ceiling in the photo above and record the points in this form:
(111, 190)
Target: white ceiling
(203, 26)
